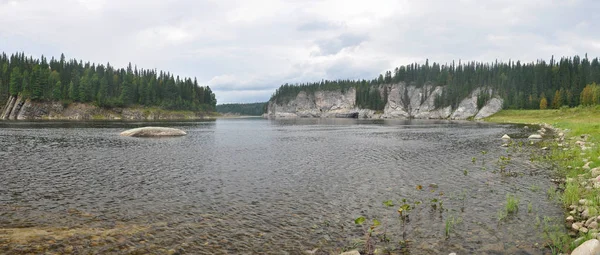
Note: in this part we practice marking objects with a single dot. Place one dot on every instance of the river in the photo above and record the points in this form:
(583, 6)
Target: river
(253, 186)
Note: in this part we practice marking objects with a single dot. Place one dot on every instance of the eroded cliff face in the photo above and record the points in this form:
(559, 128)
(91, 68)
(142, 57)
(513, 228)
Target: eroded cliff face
(403, 102)
(18, 108)
(317, 104)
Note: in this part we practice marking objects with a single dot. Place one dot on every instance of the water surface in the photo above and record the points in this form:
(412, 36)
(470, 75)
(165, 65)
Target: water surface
(271, 186)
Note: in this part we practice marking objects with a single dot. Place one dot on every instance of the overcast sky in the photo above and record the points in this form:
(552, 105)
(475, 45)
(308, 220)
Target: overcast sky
(245, 49)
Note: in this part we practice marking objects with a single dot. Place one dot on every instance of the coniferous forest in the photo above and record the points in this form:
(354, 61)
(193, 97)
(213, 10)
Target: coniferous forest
(105, 86)
(570, 81)
(251, 109)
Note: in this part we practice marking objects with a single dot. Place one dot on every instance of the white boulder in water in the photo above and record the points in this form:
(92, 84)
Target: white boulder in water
(505, 137)
(535, 137)
(153, 132)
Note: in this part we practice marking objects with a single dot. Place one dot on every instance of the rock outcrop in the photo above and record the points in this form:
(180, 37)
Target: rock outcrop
(403, 101)
(153, 132)
(18, 108)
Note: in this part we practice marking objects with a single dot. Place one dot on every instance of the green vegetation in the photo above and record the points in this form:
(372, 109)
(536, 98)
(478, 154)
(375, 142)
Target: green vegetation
(73, 81)
(376, 233)
(579, 120)
(512, 204)
(510, 208)
(254, 109)
(581, 123)
(449, 225)
(535, 85)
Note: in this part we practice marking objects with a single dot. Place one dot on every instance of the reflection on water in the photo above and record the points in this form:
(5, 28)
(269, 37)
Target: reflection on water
(262, 186)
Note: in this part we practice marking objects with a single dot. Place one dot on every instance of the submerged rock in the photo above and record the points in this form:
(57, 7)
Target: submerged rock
(589, 247)
(153, 132)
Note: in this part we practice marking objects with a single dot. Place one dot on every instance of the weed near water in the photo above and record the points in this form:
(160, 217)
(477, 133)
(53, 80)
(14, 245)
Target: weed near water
(512, 204)
(511, 207)
(449, 224)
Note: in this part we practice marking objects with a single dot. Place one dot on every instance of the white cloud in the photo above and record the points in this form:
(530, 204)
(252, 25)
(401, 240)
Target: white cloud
(245, 49)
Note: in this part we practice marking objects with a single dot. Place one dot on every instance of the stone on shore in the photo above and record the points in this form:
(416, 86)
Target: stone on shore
(595, 172)
(153, 132)
(355, 252)
(589, 247)
(535, 137)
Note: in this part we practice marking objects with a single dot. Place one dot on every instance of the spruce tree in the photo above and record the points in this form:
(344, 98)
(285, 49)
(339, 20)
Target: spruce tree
(15, 81)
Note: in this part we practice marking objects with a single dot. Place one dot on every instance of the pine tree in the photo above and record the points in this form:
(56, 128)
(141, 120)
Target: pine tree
(56, 92)
(15, 81)
(73, 91)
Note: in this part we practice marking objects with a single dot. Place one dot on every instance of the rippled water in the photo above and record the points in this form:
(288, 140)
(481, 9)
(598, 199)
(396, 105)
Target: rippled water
(268, 186)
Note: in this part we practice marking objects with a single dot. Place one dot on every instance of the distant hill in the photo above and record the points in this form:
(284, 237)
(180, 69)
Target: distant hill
(253, 109)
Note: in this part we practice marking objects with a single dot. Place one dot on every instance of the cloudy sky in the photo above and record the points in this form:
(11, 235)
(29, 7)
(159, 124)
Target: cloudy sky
(245, 49)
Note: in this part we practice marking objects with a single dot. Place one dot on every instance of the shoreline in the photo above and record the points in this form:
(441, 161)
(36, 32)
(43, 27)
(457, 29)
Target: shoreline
(575, 159)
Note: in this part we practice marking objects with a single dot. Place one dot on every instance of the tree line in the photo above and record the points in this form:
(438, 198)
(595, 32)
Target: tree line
(252, 109)
(530, 85)
(73, 81)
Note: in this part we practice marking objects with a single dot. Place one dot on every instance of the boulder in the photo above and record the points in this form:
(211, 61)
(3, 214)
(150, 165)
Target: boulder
(593, 225)
(355, 252)
(535, 137)
(596, 172)
(505, 137)
(586, 213)
(589, 247)
(589, 221)
(153, 132)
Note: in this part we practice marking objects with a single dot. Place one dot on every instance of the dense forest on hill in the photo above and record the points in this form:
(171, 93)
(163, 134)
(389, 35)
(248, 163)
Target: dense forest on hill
(105, 86)
(253, 109)
(569, 81)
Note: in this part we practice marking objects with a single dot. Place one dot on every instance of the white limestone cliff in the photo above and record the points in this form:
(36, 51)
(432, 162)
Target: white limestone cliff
(403, 102)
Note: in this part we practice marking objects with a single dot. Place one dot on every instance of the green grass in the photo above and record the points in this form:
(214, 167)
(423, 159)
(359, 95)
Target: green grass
(510, 208)
(580, 120)
(572, 194)
(449, 225)
(512, 204)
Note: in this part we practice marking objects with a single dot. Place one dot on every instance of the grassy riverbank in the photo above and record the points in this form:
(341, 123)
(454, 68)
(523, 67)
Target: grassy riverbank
(575, 159)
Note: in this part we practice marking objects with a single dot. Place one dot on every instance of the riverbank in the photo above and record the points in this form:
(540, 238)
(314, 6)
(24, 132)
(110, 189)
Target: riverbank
(19, 108)
(575, 157)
